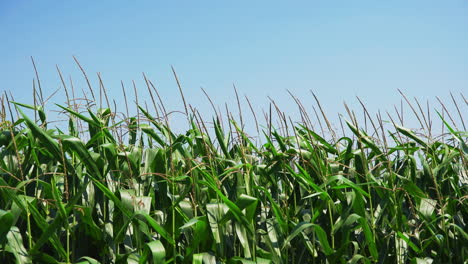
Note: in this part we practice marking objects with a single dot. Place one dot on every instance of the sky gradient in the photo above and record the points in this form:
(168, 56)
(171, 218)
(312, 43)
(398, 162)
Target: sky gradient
(337, 49)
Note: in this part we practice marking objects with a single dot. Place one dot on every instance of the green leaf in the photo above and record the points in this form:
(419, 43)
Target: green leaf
(427, 207)
(156, 250)
(370, 238)
(199, 225)
(88, 260)
(49, 143)
(221, 140)
(236, 211)
(6, 222)
(320, 233)
(58, 199)
(408, 241)
(411, 135)
(15, 246)
(80, 116)
(204, 258)
(158, 228)
(276, 209)
(322, 237)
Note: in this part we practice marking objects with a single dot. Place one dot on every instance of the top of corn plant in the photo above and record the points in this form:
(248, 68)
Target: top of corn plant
(113, 188)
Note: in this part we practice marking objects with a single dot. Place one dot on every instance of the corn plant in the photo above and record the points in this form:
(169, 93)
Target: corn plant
(128, 189)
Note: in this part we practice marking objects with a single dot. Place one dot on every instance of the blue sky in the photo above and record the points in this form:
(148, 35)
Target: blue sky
(338, 49)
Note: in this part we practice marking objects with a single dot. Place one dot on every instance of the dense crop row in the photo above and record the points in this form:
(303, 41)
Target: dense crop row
(133, 191)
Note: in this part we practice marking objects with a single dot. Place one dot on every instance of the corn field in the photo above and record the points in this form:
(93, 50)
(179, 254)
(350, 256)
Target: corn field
(107, 187)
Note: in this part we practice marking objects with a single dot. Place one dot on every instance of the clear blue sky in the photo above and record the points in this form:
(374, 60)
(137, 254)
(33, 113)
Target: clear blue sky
(338, 49)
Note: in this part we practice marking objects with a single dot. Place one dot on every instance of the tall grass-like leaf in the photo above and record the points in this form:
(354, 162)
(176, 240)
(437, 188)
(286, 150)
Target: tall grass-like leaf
(200, 233)
(370, 238)
(158, 228)
(156, 250)
(236, 211)
(243, 202)
(6, 222)
(407, 240)
(88, 260)
(276, 210)
(221, 139)
(237, 260)
(50, 144)
(411, 135)
(463, 144)
(80, 116)
(15, 246)
(204, 258)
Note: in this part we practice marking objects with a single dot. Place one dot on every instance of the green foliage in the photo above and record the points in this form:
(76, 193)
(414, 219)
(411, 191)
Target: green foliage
(86, 196)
